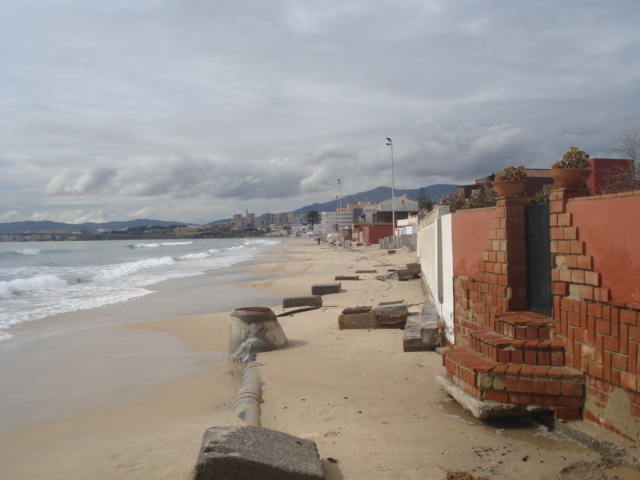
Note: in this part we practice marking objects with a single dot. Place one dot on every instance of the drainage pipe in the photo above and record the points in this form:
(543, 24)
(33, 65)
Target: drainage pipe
(246, 404)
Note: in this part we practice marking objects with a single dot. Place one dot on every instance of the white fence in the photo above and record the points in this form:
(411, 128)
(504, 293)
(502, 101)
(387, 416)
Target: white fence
(435, 254)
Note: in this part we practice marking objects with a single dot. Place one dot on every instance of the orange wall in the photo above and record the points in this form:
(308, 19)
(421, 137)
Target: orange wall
(611, 229)
(470, 233)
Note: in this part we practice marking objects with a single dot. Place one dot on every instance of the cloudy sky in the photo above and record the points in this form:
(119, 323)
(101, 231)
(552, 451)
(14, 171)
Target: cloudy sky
(193, 110)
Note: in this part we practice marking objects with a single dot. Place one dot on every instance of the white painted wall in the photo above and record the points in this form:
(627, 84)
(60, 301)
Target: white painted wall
(435, 254)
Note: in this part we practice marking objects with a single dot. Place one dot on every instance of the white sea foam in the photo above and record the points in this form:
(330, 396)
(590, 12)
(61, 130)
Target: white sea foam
(129, 268)
(192, 256)
(146, 245)
(29, 251)
(171, 244)
(39, 282)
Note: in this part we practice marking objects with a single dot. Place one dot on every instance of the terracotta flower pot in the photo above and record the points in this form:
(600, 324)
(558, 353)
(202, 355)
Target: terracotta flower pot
(571, 177)
(509, 188)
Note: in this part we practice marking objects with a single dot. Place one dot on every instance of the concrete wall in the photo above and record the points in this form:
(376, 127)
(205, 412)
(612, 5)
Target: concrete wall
(434, 248)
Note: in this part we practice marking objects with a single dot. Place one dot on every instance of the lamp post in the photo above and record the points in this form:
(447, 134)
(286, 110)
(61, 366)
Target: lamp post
(340, 211)
(393, 196)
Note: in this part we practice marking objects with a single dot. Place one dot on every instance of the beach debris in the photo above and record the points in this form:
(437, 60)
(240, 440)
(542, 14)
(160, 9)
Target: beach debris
(299, 310)
(325, 288)
(367, 271)
(247, 453)
(391, 314)
(332, 460)
(308, 301)
(347, 277)
(421, 332)
(357, 317)
(462, 475)
(253, 330)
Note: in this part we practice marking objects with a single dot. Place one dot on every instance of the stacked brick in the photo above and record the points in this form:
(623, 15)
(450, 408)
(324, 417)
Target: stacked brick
(601, 336)
(500, 284)
(504, 353)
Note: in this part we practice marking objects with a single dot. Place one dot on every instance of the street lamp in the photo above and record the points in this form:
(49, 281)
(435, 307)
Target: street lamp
(393, 195)
(340, 211)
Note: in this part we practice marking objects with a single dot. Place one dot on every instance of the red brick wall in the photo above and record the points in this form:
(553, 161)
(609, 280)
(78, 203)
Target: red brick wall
(596, 311)
(470, 230)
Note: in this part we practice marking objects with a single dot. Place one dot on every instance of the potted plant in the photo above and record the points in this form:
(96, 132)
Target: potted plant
(573, 169)
(511, 181)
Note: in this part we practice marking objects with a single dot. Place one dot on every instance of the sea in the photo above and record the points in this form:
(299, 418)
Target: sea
(40, 280)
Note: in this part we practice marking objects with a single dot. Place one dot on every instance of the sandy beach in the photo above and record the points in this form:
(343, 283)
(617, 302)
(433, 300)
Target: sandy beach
(368, 405)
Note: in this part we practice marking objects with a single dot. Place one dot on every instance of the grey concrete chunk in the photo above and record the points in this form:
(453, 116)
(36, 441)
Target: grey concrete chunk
(421, 331)
(347, 277)
(308, 301)
(367, 271)
(414, 268)
(404, 275)
(250, 453)
(254, 330)
(357, 317)
(391, 252)
(325, 288)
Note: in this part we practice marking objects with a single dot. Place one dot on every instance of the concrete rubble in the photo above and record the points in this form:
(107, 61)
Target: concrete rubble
(250, 453)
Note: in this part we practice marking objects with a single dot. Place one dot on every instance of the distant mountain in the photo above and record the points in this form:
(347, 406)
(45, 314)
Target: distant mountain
(380, 194)
(13, 227)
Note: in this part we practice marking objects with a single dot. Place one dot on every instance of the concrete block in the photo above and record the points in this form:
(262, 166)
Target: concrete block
(359, 244)
(421, 331)
(347, 277)
(404, 275)
(367, 271)
(358, 317)
(391, 314)
(254, 330)
(414, 268)
(325, 288)
(248, 453)
(391, 252)
(309, 301)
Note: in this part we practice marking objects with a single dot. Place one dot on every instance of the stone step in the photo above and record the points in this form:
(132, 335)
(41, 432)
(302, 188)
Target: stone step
(421, 331)
(549, 386)
(524, 325)
(502, 348)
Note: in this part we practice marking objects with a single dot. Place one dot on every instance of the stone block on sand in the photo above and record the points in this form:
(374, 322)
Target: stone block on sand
(421, 331)
(367, 271)
(254, 330)
(391, 252)
(325, 288)
(391, 314)
(347, 277)
(404, 275)
(358, 317)
(308, 301)
(250, 453)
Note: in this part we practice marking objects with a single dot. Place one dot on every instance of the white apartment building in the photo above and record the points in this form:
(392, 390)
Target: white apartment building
(329, 220)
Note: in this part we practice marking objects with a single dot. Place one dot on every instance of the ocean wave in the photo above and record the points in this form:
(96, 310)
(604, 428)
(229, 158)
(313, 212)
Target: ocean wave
(192, 256)
(129, 268)
(145, 245)
(39, 282)
(27, 252)
(171, 244)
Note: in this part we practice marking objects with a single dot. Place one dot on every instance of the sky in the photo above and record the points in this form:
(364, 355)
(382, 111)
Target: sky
(194, 110)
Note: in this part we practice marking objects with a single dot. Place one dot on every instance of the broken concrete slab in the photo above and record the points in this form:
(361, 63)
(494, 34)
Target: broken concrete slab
(404, 275)
(357, 318)
(421, 331)
(391, 314)
(249, 453)
(347, 277)
(308, 301)
(254, 330)
(367, 271)
(391, 252)
(484, 409)
(325, 288)
(414, 268)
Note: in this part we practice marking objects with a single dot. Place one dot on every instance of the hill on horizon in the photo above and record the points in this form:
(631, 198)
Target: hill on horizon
(381, 194)
(31, 226)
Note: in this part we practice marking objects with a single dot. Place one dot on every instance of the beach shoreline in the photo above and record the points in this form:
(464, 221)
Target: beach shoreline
(366, 403)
